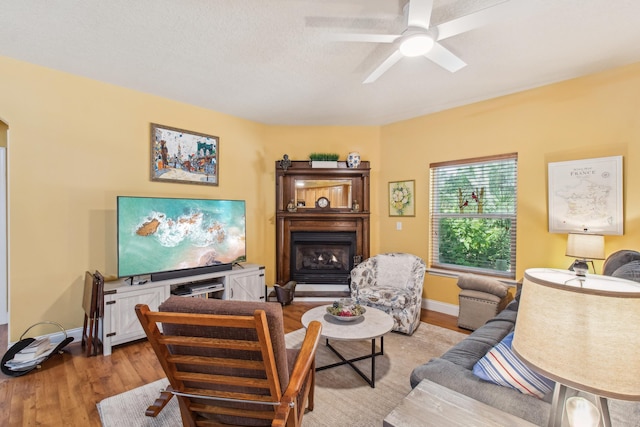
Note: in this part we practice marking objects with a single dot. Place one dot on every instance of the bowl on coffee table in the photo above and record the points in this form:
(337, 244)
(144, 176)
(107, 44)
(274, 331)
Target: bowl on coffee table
(346, 310)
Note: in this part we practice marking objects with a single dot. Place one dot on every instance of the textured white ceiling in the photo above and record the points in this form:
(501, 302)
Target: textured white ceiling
(274, 62)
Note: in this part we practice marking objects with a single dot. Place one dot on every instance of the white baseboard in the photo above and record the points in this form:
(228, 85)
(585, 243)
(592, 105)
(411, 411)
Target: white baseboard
(76, 333)
(427, 304)
(441, 307)
(57, 337)
(311, 287)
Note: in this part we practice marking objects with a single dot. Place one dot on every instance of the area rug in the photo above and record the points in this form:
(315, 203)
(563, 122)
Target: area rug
(342, 397)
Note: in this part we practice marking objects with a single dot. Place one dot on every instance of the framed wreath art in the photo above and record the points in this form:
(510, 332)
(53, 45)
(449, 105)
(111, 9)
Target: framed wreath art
(402, 198)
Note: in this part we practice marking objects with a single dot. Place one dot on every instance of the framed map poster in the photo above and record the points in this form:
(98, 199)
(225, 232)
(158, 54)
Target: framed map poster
(586, 196)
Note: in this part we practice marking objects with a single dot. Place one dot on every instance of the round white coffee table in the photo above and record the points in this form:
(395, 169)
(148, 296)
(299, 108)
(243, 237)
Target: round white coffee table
(373, 324)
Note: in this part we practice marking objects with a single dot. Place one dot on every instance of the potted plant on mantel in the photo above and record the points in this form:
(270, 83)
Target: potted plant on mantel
(324, 160)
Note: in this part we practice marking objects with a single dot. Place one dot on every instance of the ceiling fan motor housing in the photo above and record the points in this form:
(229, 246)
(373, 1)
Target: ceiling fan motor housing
(416, 42)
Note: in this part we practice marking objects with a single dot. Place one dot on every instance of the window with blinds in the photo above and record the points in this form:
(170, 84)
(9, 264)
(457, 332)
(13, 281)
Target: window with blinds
(473, 215)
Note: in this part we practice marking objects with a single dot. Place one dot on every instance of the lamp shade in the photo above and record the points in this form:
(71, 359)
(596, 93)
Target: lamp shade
(581, 332)
(585, 246)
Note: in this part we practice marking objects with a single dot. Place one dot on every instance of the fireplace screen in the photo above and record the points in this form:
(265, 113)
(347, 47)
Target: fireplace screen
(322, 257)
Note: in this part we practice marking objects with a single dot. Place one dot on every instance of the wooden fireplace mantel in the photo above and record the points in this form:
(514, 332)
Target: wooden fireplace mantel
(338, 217)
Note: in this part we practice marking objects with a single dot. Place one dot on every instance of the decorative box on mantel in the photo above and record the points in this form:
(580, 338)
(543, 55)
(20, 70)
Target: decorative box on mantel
(324, 164)
(325, 223)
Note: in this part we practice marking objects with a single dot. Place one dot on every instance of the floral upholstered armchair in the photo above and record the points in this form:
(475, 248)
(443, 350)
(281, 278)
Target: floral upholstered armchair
(391, 282)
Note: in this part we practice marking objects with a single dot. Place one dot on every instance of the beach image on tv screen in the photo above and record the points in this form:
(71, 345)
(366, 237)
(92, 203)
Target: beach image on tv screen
(158, 234)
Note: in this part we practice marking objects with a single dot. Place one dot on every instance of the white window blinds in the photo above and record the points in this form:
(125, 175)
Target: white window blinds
(473, 215)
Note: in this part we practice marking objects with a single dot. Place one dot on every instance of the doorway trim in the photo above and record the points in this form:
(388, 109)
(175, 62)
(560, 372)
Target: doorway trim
(4, 273)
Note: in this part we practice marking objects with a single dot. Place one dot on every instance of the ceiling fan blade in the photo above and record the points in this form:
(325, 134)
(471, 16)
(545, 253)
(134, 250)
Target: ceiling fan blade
(365, 38)
(444, 58)
(472, 21)
(382, 68)
(419, 14)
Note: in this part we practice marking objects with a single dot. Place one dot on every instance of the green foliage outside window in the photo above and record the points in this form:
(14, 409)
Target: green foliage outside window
(475, 242)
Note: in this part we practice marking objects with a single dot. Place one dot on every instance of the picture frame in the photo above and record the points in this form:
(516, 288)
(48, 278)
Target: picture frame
(402, 198)
(182, 156)
(585, 196)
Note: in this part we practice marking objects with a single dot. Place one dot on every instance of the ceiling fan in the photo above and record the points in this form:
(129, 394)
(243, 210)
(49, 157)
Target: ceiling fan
(421, 39)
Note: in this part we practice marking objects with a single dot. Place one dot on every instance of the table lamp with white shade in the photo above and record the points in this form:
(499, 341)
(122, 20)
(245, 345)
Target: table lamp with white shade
(585, 248)
(581, 332)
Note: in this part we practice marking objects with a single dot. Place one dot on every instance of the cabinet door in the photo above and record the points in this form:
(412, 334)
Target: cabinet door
(124, 323)
(247, 287)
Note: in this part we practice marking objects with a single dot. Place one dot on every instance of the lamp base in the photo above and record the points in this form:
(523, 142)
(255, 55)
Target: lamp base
(557, 407)
(581, 412)
(581, 267)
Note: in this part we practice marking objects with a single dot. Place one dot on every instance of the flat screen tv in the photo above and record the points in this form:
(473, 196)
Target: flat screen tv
(170, 237)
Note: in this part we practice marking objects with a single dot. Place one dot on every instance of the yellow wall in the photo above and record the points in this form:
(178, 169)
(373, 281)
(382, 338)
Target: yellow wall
(594, 116)
(299, 141)
(76, 144)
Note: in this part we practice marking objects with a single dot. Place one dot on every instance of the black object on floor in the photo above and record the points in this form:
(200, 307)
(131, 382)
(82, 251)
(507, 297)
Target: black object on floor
(285, 294)
(37, 361)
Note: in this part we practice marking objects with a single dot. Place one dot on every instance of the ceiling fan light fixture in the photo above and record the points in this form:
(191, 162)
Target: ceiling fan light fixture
(416, 44)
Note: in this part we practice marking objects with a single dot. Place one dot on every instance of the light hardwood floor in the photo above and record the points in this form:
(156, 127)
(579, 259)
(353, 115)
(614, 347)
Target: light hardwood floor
(68, 387)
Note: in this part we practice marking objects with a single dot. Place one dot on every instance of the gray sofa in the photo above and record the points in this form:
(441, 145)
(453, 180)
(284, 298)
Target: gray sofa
(454, 370)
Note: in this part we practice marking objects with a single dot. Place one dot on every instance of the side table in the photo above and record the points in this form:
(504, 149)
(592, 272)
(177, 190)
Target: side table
(432, 405)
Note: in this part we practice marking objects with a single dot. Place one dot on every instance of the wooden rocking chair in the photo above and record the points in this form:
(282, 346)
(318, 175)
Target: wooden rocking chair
(227, 363)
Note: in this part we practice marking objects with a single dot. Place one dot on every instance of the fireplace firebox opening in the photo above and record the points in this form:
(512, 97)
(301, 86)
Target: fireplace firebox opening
(322, 257)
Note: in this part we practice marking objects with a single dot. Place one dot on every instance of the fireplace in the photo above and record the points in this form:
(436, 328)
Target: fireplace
(322, 257)
(316, 244)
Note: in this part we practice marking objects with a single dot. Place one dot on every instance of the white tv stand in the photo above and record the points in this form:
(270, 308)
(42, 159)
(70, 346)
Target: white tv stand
(120, 323)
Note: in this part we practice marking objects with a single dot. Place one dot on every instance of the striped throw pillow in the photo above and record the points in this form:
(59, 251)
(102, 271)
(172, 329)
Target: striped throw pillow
(501, 366)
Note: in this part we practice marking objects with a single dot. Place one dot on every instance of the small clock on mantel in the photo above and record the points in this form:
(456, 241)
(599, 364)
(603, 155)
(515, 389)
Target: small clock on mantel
(322, 203)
